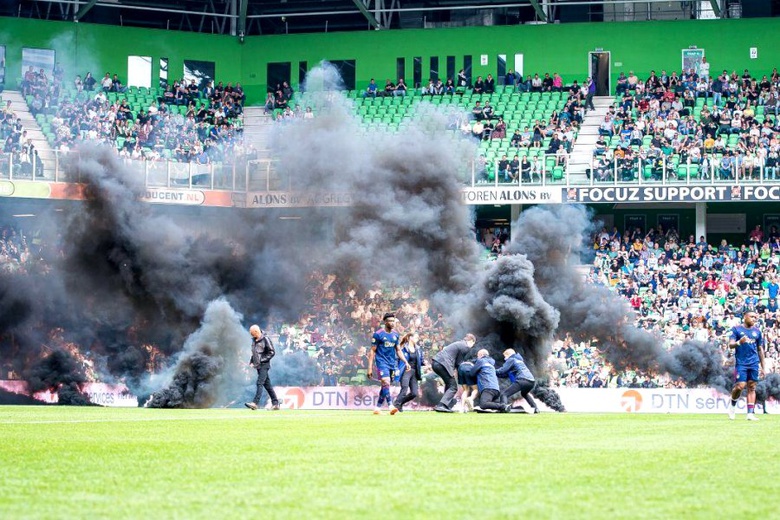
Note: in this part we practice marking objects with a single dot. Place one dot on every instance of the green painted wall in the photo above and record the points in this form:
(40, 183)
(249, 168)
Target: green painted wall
(83, 48)
(563, 48)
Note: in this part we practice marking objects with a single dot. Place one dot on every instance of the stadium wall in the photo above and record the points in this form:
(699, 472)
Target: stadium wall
(562, 48)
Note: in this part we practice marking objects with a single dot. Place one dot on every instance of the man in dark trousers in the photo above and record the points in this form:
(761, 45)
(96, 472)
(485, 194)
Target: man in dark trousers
(521, 377)
(445, 364)
(262, 352)
(487, 382)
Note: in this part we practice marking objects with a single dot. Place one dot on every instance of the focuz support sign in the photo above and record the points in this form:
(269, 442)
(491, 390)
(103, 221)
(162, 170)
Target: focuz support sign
(612, 194)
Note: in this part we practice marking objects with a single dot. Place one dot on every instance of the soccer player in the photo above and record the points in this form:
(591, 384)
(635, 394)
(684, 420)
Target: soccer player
(385, 351)
(748, 345)
(521, 377)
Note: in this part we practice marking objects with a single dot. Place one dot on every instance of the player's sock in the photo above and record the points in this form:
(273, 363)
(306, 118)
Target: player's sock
(384, 395)
(751, 408)
(380, 400)
(733, 402)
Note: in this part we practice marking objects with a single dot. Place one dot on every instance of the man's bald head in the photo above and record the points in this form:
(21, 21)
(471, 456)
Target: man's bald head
(255, 331)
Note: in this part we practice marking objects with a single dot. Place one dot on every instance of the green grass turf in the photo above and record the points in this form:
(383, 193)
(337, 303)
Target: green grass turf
(58, 462)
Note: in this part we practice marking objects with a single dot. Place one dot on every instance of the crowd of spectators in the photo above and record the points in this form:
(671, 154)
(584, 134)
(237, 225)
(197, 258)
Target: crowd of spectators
(725, 126)
(18, 253)
(182, 122)
(336, 329)
(18, 155)
(280, 106)
(681, 289)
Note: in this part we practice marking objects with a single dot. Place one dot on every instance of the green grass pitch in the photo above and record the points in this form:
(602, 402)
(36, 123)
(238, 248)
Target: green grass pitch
(94, 463)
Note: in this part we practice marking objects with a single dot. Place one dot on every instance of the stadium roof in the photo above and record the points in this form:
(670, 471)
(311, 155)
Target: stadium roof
(255, 17)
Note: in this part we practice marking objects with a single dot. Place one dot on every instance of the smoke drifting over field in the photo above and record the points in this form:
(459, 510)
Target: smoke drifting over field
(130, 279)
(130, 275)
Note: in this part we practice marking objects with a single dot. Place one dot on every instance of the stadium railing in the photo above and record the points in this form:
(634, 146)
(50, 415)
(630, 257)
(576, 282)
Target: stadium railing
(246, 174)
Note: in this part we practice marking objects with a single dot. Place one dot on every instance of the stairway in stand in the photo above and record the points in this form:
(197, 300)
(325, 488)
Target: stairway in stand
(582, 152)
(34, 132)
(258, 132)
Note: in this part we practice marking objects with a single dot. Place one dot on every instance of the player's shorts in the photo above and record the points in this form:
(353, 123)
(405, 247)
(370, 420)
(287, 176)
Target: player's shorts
(384, 370)
(463, 374)
(746, 373)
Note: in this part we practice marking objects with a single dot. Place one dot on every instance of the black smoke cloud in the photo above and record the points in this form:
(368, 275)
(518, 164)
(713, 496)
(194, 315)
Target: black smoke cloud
(58, 371)
(132, 274)
(509, 310)
(209, 369)
(768, 387)
(553, 238)
(406, 222)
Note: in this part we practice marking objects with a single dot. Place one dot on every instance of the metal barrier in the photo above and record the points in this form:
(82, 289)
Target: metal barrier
(245, 174)
(562, 171)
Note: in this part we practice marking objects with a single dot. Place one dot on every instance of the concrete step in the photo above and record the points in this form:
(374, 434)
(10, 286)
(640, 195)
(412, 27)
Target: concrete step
(589, 140)
(34, 133)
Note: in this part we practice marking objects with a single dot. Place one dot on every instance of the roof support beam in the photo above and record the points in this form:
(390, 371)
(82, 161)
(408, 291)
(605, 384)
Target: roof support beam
(242, 20)
(716, 7)
(539, 11)
(368, 14)
(84, 10)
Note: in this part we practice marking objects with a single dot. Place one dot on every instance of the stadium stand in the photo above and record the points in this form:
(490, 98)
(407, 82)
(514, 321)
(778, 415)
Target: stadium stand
(548, 120)
(179, 123)
(685, 127)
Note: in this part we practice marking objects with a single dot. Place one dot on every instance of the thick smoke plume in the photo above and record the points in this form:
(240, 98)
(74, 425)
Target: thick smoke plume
(209, 370)
(405, 222)
(768, 387)
(548, 396)
(132, 279)
(553, 238)
(59, 371)
(506, 307)
(132, 275)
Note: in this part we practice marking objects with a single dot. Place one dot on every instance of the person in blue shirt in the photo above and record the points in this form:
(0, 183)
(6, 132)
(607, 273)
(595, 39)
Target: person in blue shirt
(522, 379)
(773, 288)
(409, 379)
(487, 382)
(384, 353)
(748, 344)
(468, 386)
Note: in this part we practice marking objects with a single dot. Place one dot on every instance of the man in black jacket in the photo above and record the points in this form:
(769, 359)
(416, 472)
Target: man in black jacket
(262, 352)
(445, 364)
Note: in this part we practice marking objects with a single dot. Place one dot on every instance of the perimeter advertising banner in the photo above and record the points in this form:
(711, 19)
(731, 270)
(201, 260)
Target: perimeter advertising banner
(582, 400)
(613, 194)
(474, 196)
(513, 195)
(98, 393)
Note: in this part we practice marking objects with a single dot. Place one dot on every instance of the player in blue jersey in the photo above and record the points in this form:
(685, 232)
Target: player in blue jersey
(385, 353)
(748, 345)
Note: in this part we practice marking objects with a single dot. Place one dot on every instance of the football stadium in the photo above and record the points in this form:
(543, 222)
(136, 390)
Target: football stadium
(389, 259)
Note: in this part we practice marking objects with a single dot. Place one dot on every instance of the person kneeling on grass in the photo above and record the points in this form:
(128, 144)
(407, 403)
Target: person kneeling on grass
(487, 382)
(468, 386)
(522, 379)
